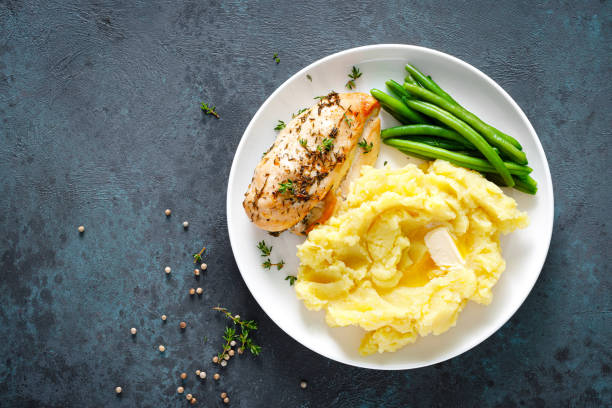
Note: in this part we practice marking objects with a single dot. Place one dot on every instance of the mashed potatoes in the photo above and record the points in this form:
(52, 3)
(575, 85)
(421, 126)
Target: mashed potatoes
(369, 265)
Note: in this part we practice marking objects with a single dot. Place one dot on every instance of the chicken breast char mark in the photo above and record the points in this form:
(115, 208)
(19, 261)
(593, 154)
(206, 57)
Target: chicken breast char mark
(310, 157)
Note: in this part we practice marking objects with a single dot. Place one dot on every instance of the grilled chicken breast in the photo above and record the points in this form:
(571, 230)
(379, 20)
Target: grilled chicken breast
(299, 180)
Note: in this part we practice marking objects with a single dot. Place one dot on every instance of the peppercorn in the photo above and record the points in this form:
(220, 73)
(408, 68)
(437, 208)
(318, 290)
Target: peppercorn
(133, 330)
(196, 272)
(118, 390)
(162, 348)
(203, 266)
(216, 376)
(182, 325)
(167, 212)
(185, 224)
(192, 291)
(183, 376)
(81, 229)
(180, 390)
(199, 291)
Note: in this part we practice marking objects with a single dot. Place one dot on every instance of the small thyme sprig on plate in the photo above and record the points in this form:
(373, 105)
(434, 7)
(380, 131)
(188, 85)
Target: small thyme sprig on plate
(231, 336)
(209, 110)
(275, 57)
(309, 77)
(367, 148)
(291, 279)
(355, 73)
(265, 250)
(197, 258)
(326, 144)
(303, 142)
(268, 264)
(280, 125)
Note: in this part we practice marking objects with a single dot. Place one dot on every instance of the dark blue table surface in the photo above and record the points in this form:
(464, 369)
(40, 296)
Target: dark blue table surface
(100, 126)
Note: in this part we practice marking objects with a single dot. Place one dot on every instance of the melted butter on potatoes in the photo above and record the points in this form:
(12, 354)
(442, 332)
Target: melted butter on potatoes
(369, 265)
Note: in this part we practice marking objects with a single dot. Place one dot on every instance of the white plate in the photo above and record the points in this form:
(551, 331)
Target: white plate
(524, 251)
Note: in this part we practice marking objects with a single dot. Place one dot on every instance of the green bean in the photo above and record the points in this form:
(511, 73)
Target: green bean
(466, 131)
(431, 130)
(398, 107)
(526, 184)
(435, 88)
(494, 138)
(397, 89)
(476, 153)
(459, 159)
(437, 142)
(408, 78)
(400, 118)
(428, 83)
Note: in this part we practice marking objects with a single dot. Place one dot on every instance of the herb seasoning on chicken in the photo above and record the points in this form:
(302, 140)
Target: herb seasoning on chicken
(297, 183)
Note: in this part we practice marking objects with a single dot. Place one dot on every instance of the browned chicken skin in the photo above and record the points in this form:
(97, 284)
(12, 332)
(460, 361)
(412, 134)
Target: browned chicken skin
(312, 156)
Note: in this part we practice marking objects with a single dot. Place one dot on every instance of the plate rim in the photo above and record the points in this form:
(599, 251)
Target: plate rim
(490, 81)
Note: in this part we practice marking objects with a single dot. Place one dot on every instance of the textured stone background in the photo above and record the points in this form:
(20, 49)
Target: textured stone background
(100, 125)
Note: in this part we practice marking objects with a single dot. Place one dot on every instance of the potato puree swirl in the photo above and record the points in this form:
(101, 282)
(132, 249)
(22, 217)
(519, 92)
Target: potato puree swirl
(369, 265)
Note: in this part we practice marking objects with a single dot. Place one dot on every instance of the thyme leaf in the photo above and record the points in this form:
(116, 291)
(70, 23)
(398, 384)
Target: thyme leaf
(327, 144)
(265, 250)
(287, 186)
(367, 148)
(355, 73)
(209, 110)
(280, 125)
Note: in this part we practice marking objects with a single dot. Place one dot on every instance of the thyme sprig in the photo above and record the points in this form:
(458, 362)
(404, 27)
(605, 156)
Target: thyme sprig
(268, 264)
(280, 125)
(299, 112)
(367, 148)
(348, 120)
(209, 110)
(286, 186)
(327, 144)
(230, 334)
(197, 258)
(355, 73)
(275, 57)
(265, 250)
(291, 279)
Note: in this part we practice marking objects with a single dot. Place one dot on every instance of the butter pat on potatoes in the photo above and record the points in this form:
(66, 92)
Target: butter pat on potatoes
(406, 251)
(442, 248)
